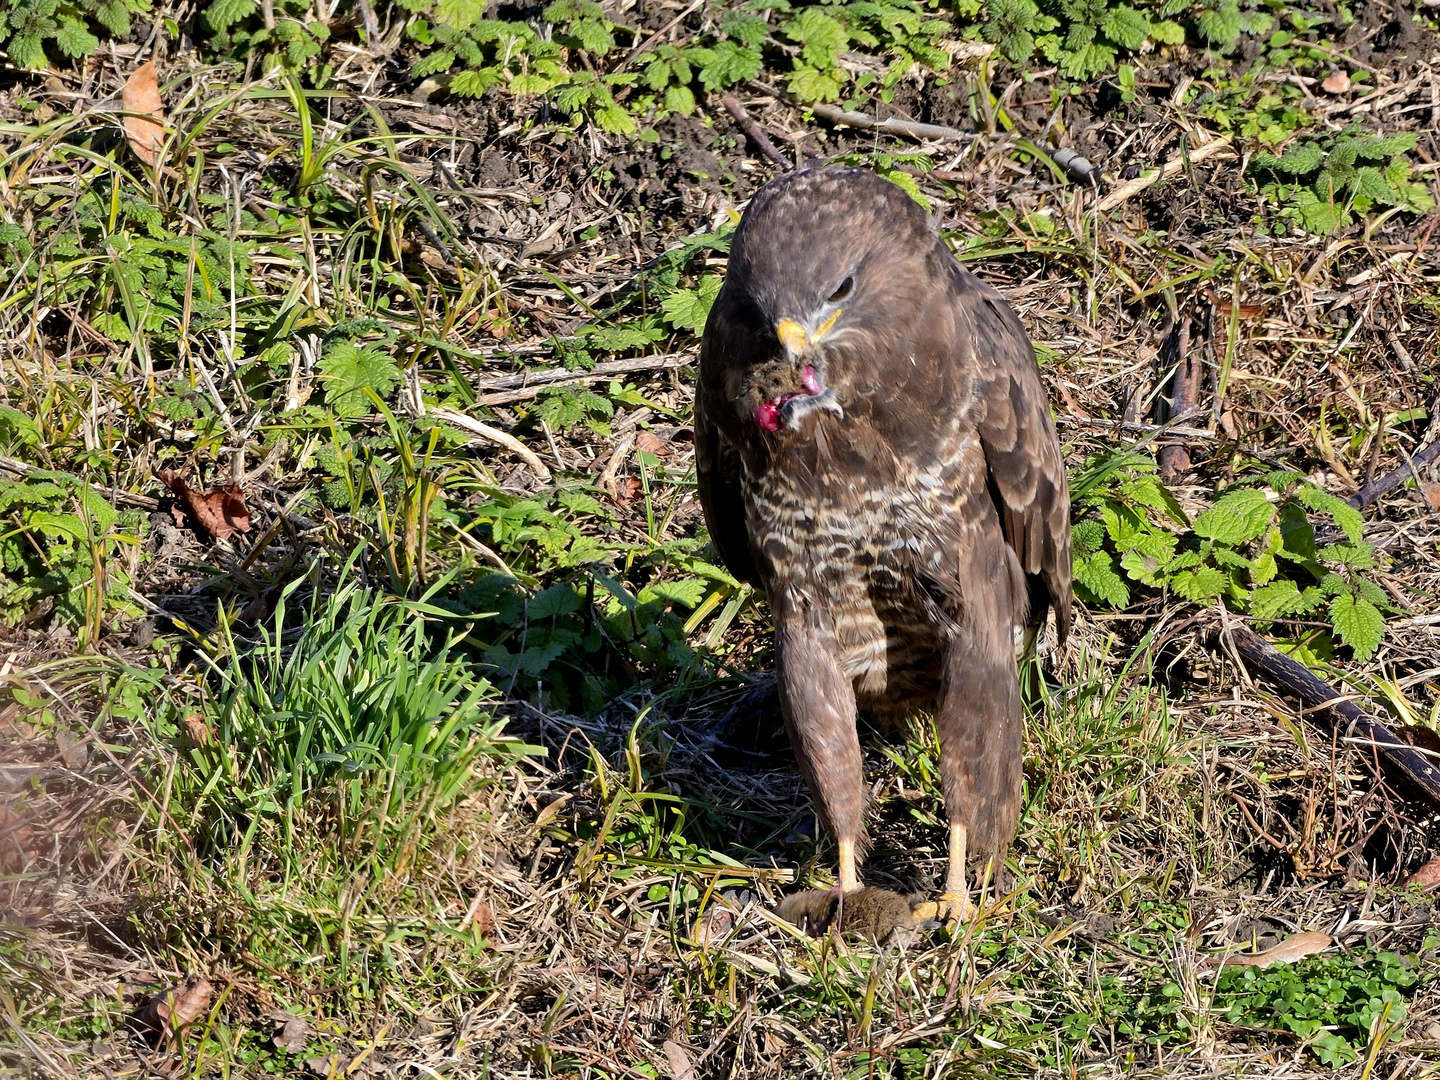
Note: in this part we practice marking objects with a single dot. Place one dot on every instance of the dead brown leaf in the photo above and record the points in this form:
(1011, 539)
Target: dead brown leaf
(1432, 495)
(329, 1065)
(681, 1066)
(18, 840)
(550, 810)
(720, 918)
(291, 1032)
(74, 749)
(651, 443)
(198, 730)
(481, 916)
(221, 513)
(1428, 876)
(338, 1065)
(1339, 83)
(1288, 951)
(1244, 312)
(1420, 736)
(142, 95)
(171, 1011)
(629, 490)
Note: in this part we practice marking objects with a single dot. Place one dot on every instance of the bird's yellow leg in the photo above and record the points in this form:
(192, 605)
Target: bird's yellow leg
(849, 875)
(954, 903)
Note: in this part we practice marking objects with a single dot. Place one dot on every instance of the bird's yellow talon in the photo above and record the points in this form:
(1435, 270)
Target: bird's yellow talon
(949, 908)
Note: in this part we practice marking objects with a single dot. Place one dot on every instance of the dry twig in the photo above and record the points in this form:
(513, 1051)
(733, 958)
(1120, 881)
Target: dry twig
(1170, 168)
(1372, 491)
(888, 125)
(510, 388)
(494, 435)
(1294, 678)
(754, 132)
(1175, 455)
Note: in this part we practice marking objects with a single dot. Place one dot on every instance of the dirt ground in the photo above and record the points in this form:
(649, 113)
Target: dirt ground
(1259, 823)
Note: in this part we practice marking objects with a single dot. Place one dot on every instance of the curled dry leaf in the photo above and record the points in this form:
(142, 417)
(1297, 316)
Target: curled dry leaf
(171, 1011)
(329, 1065)
(629, 490)
(142, 95)
(549, 810)
(651, 443)
(19, 840)
(1428, 876)
(221, 513)
(341, 1065)
(1287, 952)
(74, 749)
(291, 1032)
(198, 730)
(678, 1060)
(721, 916)
(1339, 83)
(1432, 495)
(481, 916)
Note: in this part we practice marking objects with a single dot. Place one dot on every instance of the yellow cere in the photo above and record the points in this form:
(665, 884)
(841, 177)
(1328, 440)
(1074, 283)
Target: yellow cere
(797, 339)
(792, 335)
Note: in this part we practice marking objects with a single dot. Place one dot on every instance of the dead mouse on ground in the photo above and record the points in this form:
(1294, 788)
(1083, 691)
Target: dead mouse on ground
(875, 914)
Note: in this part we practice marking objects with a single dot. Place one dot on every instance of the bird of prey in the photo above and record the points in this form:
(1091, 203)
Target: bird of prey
(874, 448)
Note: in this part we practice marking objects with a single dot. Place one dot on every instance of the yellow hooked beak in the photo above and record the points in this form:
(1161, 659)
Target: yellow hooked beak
(797, 339)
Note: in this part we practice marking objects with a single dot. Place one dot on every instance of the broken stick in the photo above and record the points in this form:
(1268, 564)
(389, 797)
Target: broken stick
(486, 433)
(511, 388)
(889, 125)
(1170, 168)
(754, 131)
(1356, 726)
(1370, 492)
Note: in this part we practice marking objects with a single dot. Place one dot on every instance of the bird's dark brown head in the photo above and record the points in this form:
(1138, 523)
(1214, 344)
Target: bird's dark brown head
(826, 265)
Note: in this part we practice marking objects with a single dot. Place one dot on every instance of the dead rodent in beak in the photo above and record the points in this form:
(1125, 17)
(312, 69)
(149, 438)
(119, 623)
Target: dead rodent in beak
(778, 394)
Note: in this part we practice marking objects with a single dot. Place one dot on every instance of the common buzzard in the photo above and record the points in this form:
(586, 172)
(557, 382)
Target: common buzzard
(874, 448)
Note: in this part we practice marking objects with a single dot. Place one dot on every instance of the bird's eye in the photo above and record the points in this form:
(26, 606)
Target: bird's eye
(843, 291)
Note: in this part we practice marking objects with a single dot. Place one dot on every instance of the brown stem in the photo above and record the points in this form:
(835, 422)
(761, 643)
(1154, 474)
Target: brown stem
(1370, 492)
(1317, 696)
(1175, 455)
(753, 131)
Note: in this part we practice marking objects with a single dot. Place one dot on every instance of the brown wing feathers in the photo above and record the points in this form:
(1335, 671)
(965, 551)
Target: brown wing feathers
(1027, 474)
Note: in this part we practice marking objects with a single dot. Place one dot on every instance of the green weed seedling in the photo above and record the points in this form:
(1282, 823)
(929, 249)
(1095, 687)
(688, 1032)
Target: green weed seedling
(60, 542)
(1336, 1004)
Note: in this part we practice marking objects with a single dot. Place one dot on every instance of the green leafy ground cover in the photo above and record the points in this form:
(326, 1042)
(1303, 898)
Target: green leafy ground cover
(425, 759)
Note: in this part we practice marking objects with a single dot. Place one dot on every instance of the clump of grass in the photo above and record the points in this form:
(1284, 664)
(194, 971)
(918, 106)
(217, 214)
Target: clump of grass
(364, 711)
(1111, 771)
(313, 785)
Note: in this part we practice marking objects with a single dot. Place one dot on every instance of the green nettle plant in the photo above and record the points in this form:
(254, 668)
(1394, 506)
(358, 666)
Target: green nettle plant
(1255, 550)
(478, 53)
(59, 542)
(239, 27)
(1085, 37)
(31, 29)
(1322, 183)
(570, 52)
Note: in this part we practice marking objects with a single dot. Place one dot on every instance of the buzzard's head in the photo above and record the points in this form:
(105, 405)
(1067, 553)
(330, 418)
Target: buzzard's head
(829, 271)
